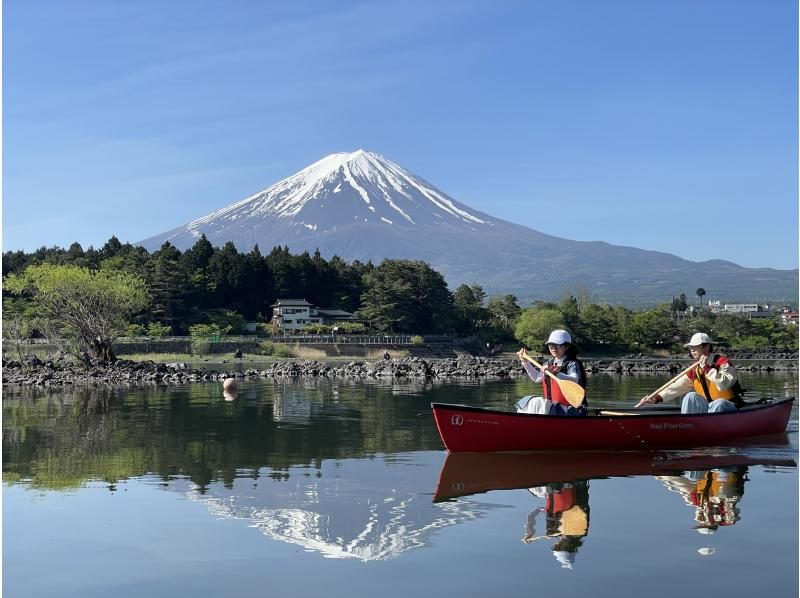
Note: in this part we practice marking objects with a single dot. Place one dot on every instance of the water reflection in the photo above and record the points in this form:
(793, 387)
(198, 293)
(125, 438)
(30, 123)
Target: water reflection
(712, 482)
(714, 494)
(566, 510)
(350, 509)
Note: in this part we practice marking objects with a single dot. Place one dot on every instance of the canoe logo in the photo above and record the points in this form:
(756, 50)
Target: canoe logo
(457, 420)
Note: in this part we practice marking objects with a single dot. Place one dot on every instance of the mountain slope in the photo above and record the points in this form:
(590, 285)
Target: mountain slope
(362, 206)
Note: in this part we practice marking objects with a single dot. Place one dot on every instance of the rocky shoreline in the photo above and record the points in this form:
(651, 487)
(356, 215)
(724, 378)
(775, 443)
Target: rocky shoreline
(62, 370)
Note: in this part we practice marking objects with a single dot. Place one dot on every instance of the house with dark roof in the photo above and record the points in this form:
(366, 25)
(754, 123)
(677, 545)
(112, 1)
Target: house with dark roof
(291, 315)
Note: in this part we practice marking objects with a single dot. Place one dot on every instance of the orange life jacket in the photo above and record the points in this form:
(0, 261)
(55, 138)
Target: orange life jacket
(707, 389)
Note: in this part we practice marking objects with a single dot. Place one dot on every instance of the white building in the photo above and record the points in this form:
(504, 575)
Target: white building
(736, 308)
(291, 315)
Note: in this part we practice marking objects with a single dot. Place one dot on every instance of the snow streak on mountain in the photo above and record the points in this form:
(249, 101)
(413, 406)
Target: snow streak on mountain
(341, 189)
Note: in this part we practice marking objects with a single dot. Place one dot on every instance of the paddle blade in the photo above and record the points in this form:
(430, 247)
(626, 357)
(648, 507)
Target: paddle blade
(573, 392)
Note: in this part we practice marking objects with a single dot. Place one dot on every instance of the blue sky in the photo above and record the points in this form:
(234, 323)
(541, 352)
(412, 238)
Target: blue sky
(666, 125)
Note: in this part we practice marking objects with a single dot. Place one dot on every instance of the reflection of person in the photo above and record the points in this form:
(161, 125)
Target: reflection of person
(712, 386)
(715, 494)
(567, 518)
(565, 364)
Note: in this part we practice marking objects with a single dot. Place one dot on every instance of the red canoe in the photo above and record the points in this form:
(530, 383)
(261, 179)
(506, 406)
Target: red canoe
(472, 473)
(476, 429)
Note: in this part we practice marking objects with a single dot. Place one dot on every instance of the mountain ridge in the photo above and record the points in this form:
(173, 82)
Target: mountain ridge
(360, 205)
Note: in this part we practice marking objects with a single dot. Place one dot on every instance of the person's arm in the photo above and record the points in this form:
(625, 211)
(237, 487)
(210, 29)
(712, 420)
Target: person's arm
(534, 373)
(723, 376)
(678, 388)
(572, 372)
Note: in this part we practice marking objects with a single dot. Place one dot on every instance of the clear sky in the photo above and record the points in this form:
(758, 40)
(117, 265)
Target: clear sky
(662, 124)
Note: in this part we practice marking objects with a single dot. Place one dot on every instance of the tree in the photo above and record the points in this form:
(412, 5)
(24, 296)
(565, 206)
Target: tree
(535, 325)
(654, 329)
(503, 311)
(406, 296)
(468, 303)
(92, 307)
(700, 294)
(679, 303)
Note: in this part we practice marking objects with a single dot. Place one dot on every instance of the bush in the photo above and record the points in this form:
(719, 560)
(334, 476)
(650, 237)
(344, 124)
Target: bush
(158, 330)
(208, 330)
(135, 330)
(274, 349)
(351, 328)
(282, 350)
(316, 329)
(417, 340)
(200, 346)
(264, 328)
(225, 319)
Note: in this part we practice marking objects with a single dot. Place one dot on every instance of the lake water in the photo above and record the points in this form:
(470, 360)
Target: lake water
(326, 488)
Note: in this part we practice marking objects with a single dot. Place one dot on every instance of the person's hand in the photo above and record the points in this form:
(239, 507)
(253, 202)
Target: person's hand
(522, 353)
(649, 400)
(702, 361)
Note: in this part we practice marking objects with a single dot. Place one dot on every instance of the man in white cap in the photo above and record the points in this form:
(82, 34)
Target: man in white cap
(712, 386)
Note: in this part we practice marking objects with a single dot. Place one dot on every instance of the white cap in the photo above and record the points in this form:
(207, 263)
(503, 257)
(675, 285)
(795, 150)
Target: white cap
(565, 558)
(559, 337)
(706, 531)
(699, 338)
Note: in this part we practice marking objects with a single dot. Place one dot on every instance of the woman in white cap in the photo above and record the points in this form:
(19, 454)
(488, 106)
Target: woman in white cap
(711, 387)
(564, 364)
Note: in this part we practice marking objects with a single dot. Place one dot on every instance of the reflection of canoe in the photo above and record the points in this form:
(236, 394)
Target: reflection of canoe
(471, 473)
(477, 429)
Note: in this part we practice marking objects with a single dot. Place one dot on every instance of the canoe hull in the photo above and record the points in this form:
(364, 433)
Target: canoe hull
(475, 429)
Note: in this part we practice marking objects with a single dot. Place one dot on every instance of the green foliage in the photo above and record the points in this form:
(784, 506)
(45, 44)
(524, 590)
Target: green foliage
(406, 296)
(417, 340)
(92, 307)
(351, 328)
(535, 325)
(225, 319)
(469, 311)
(208, 330)
(316, 329)
(264, 328)
(503, 311)
(135, 330)
(158, 330)
(654, 329)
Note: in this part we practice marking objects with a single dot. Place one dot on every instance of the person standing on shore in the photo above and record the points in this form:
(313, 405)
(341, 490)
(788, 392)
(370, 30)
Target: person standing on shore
(710, 387)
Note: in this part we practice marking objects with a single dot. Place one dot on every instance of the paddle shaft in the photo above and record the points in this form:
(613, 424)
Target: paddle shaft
(662, 387)
(572, 391)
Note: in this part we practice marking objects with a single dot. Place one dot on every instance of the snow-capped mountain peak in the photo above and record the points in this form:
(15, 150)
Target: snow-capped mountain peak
(342, 188)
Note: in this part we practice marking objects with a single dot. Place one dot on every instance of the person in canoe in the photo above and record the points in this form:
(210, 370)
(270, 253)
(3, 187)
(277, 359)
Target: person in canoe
(712, 386)
(564, 365)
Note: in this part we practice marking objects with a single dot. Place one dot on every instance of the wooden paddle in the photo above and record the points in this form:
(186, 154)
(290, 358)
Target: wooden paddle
(572, 391)
(663, 386)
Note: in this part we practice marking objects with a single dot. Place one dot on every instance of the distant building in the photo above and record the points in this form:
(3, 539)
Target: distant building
(751, 309)
(790, 317)
(291, 315)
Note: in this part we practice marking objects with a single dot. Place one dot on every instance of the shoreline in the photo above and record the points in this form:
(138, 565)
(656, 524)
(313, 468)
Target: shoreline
(62, 370)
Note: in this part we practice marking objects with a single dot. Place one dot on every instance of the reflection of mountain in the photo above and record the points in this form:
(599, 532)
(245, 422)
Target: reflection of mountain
(345, 509)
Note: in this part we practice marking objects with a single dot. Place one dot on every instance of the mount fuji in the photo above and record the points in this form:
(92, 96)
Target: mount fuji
(362, 206)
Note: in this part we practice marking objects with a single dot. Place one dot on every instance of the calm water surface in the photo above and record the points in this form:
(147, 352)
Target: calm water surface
(344, 489)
